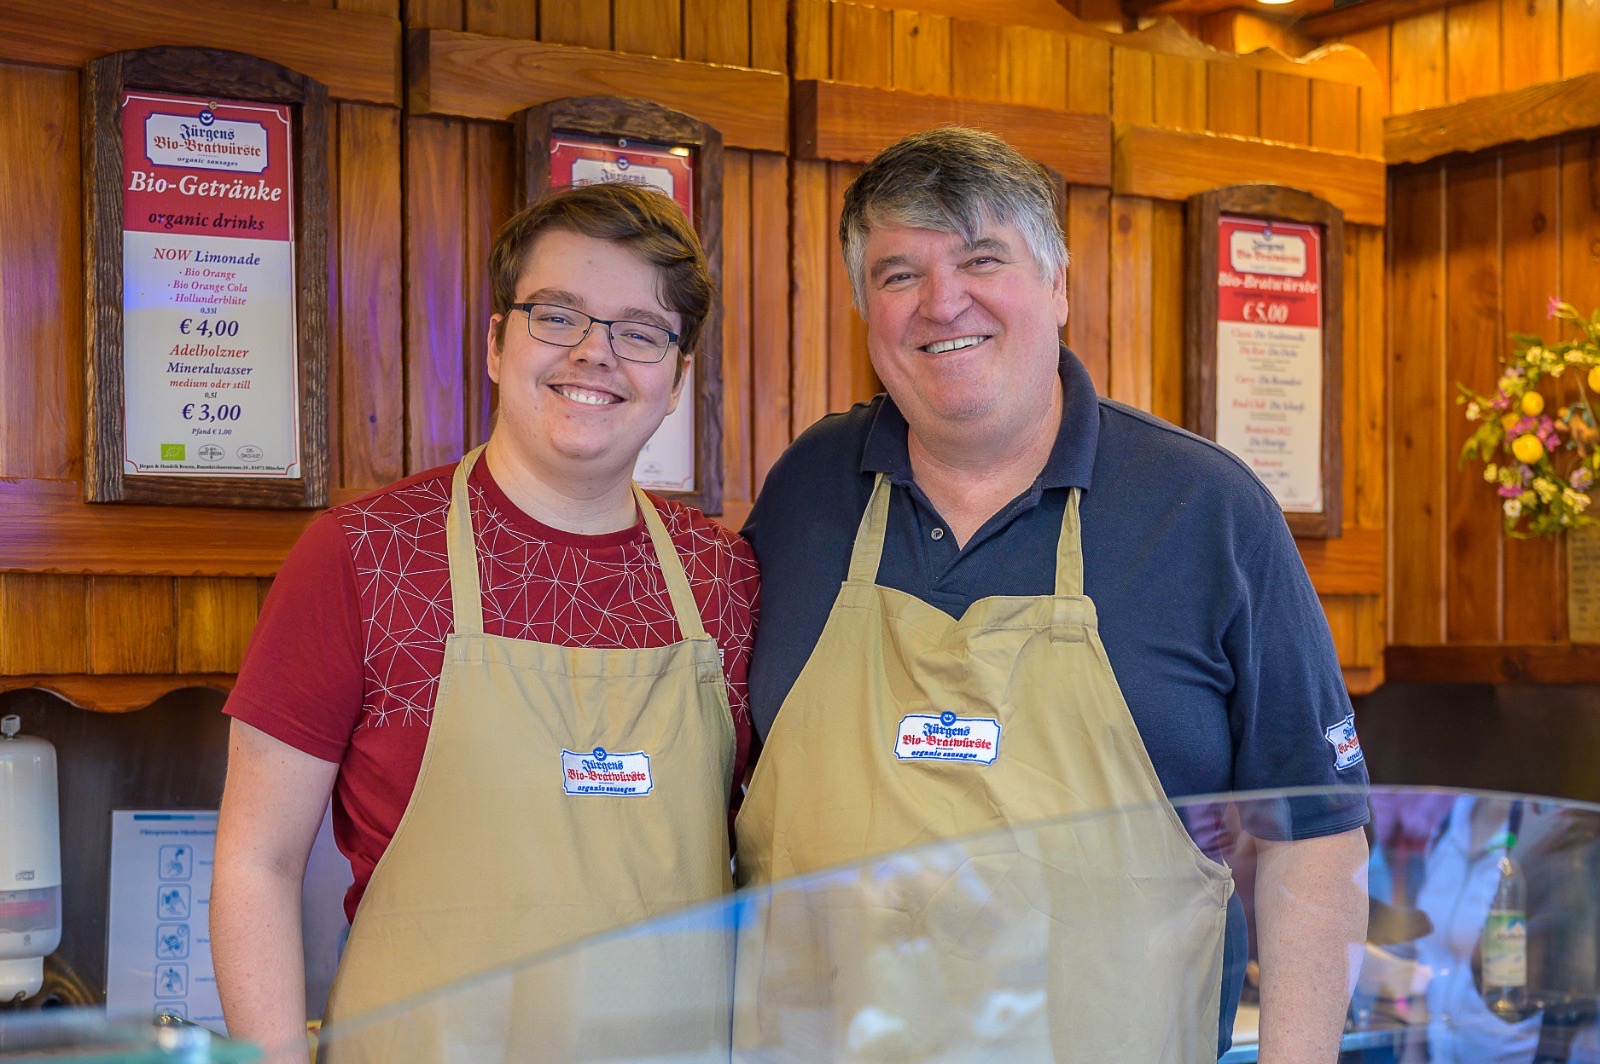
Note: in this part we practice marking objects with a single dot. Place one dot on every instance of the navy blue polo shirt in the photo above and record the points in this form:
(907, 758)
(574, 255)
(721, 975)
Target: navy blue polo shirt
(1212, 627)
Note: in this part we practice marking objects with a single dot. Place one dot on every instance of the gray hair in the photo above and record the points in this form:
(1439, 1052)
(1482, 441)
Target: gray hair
(952, 180)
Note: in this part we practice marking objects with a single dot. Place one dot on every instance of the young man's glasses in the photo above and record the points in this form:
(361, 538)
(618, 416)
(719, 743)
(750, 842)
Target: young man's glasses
(635, 341)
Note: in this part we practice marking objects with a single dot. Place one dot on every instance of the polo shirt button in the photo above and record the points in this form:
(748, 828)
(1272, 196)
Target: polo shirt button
(937, 533)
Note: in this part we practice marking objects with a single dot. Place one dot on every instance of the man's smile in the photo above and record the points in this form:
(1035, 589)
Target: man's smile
(939, 347)
(587, 396)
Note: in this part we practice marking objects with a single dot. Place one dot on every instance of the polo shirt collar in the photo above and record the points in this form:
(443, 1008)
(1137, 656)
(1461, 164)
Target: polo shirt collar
(1071, 462)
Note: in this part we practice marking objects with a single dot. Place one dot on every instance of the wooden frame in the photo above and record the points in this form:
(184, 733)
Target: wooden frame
(1275, 203)
(225, 75)
(609, 116)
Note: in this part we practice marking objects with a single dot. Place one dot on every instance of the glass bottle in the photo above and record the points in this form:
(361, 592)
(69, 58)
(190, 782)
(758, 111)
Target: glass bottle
(1505, 938)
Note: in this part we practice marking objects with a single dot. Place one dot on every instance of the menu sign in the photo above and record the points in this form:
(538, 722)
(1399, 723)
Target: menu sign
(667, 461)
(1270, 354)
(210, 366)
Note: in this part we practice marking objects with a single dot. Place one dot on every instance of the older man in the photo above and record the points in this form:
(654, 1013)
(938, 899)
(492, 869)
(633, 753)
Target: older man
(993, 598)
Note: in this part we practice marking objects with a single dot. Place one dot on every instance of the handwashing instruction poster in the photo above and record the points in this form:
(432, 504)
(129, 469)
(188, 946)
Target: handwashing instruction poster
(158, 949)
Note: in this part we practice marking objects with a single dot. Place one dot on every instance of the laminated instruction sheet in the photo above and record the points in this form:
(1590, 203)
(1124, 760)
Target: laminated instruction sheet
(158, 948)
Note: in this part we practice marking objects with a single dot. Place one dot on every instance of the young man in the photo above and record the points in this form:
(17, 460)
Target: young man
(506, 672)
(993, 598)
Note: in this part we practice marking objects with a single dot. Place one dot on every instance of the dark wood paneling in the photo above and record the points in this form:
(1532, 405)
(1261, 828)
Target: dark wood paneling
(355, 55)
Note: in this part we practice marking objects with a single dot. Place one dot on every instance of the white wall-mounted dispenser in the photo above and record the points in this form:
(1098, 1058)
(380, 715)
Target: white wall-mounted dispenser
(30, 860)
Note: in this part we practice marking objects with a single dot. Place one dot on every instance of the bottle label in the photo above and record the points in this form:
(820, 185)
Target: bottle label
(1505, 950)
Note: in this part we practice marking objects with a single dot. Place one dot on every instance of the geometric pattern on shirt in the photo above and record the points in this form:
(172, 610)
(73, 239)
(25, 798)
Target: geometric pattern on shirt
(533, 589)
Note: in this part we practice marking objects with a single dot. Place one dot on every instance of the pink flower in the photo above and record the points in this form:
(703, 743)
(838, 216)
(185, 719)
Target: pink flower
(1510, 491)
(1552, 308)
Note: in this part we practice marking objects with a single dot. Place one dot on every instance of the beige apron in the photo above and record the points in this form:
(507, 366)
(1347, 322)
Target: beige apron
(497, 859)
(1087, 939)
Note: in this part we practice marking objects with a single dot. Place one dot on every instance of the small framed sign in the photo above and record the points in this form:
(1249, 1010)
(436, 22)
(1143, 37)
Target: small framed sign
(597, 139)
(1264, 330)
(205, 222)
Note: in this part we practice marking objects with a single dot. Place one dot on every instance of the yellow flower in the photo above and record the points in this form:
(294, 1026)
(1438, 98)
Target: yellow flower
(1544, 488)
(1508, 419)
(1491, 473)
(1527, 449)
(1533, 404)
(1594, 379)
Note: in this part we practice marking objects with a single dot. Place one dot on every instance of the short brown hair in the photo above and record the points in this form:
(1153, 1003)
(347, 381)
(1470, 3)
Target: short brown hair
(643, 220)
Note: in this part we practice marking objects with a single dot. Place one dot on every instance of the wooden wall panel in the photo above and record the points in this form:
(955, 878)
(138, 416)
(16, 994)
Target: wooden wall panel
(434, 308)
(1089, 75)
(1088, 228)
(769, 34)
(982, 70)
(132, 625)
(1580, 28)
(577, 22)
(1579, 232)
(1233, 100)
(1473, 342)
(921, 53)
(1133, 85)
(1335, 116)
(648, 27)
(1530, 47)
(863, 45)
(811, 39)
(1366, 452)
(369, 417)
(769, 337)
(1472, 49)
(737, 394)
(1033, 67)
(1533, 568)
(1179, 84)
(1416, 338)
(810, 225)
(1129, 334)
(714, 32)
(850, 375)
(1285, 108)
(518, 18)
(47, 624)
(41, 282)
(215, 617)
(489, 198)
(1166, 310)
(1417, 74)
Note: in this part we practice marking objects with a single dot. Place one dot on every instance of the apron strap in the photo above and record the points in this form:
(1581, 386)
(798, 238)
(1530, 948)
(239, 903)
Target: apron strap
(466, 597)
(683, 603)
(1069, 550)
(868, 549)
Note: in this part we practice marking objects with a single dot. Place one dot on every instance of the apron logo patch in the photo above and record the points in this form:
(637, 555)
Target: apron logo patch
(600, 771)
(1346, 746)
(947, 737)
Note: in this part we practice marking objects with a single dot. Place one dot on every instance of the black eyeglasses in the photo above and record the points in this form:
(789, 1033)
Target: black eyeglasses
(635, 341)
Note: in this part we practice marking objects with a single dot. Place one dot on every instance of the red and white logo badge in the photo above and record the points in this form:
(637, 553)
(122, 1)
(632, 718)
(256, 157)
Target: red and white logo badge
(1346, 746)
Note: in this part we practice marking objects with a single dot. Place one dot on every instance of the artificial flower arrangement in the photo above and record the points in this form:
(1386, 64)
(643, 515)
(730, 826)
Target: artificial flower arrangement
(1543, 464)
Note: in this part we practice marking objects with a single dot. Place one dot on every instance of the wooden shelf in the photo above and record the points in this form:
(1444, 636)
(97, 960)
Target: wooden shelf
(1171, 165)
(837, 122)
(356, 55)
(1547, 663)
(48, 528)
(1533, 113)
(116, 694)
(475, 76)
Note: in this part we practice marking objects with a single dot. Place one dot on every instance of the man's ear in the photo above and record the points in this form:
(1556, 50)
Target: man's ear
(497, 332)
(678, 379)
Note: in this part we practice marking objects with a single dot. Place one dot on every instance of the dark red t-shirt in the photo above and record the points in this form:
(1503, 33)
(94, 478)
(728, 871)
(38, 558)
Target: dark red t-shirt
(345, 659)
